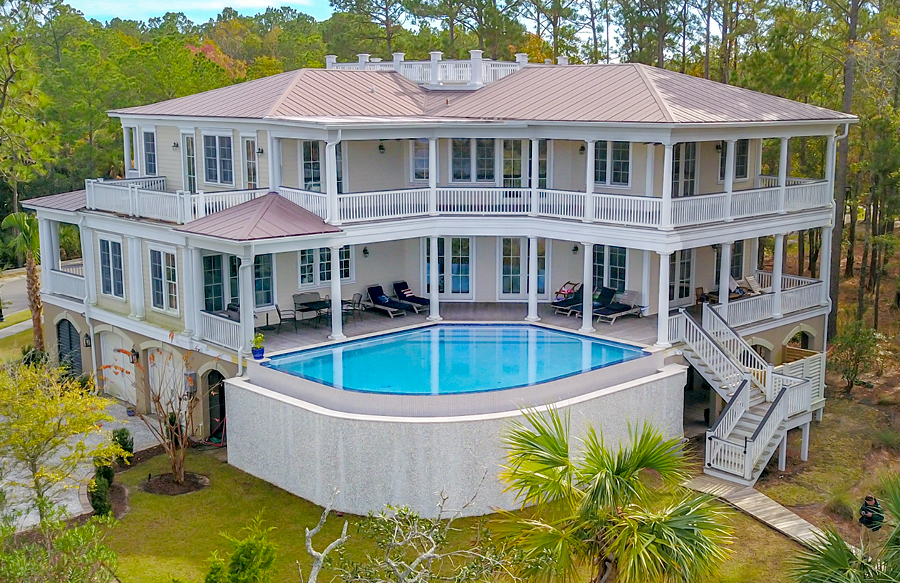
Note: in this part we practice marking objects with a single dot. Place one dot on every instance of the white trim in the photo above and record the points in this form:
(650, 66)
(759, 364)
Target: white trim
(163, 250)
(320, 162)
(412, 161)
(473, 163)
(218, 182)
(317, 255)
(211, 131)
(719, 179)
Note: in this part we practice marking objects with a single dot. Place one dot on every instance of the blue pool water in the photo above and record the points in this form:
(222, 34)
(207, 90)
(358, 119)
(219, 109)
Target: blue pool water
(454, 358)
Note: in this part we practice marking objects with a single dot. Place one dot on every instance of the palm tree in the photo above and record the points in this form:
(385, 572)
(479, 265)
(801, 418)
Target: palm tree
(619, 516)
(26, 244)
(832, 560)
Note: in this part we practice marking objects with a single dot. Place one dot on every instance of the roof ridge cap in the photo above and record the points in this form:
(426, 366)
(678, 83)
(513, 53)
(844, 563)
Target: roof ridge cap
(285, 93)
(267, 201)
(664, 108)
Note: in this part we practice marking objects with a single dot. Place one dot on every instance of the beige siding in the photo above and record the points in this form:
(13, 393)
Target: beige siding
(116, 305)
(157, 317)
(369, 169)
(780, 335)
(169, 160)
(262, 141)
(289, 170)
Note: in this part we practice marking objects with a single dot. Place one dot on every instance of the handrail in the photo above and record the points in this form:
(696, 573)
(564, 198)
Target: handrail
(747, 357)
(768, 414)
(734, 398)
(689, 322)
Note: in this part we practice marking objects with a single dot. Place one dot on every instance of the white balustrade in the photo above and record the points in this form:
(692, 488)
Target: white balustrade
(454, 72)
(807, 195)
(104, 196)
(314, 202)
(494, 70)
(801, 297)
(155, 204)
(388, 204)
(713, 355)
(222, 331)
(483, 201)
(696, 210)
(66, 284)
(751, 203)
(676, 328)
(73, 269)
(149, 182)
(741, 352)
(416, 72)
(207, 203)
(642, 211)
(563, 204)
(811, 367)
(726, 456)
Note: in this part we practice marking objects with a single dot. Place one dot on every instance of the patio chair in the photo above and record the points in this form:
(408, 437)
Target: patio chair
(404, 294)
(354, 307)
(754, 286)
(380, 301)
(566, 291)
(286, 316)
(564, 305)
(601, 300)
(624, 304)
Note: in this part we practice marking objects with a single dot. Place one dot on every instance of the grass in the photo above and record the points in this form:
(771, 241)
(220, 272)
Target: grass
(11, 346)
(15, 318)
(162, 536)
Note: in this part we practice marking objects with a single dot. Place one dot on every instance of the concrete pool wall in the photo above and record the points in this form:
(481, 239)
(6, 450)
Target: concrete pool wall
(309, 441)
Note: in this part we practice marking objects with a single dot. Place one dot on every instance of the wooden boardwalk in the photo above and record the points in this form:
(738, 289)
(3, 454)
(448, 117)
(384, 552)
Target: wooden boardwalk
(759, 506)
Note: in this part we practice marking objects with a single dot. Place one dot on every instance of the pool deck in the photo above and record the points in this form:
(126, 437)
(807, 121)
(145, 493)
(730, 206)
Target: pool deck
(629, 329)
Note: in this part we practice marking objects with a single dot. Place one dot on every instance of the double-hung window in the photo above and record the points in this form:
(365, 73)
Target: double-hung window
(419, 160)
(218, 291)
(163, 280)
(612, 163)
(472, 159)
(218, 160)
(314, 266)
(311, 163)
(149, 153)
(112, 275)
(741, 159)
(251, 165)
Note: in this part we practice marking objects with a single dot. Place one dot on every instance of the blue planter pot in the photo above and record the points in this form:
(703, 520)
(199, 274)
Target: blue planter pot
(258, 353)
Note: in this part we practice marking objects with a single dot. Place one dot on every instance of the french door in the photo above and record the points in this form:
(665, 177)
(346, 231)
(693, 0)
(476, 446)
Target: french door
(684, 169)
(513, 272)
(190, 163)
(681, 277)
(454, 268)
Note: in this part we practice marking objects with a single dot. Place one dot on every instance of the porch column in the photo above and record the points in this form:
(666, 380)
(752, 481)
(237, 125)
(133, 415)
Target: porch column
(724, 277)
(665, 219)
(589, 182)
(587, 304)
(248, 301)
(777, 272)
(651, 170)
(782, 453)
(337, 332)
(275, 178)
(662, 316)
(782, 174)
(729, 176)
(535, 171)
(804, 445)
(87, 259)
(645, 282)
(187, 284)
(432, 176)
(45, 242)
(331, 192)
(825, 263)
(127, 145)
(754, 254)
(136, 278)
(532, 280)
(196, 287)
(829, 161)
(434, 308)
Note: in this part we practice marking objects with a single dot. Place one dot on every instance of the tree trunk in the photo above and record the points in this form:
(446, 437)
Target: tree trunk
(706, 40)
(851, 240)
(33, 286)
(861, 288)
(875, 307)
(801, 251)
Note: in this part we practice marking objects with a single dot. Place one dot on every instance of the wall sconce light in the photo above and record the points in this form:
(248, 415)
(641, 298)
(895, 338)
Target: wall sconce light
(575, 249)
(87, 341)
(133, 357)
(365, 251)
(174, 145)
(719, 147)
(581, 150)
(259, 151)
(381, 148)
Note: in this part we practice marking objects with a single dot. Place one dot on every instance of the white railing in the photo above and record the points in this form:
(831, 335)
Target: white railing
(108, 196)
(455, 71)
(149, 182)
(791, 400)
(807, 195)
(563, 204)
(416, 72)
(73, 269)
(483, 201)
(772, 181)
(721, 454)
(802, 297)
(751, 203)
(813, 368)
(449, 72)
(696, 210)
(676, 328)
(66, 284)
(207, 203)
(642, 211)
(388, 204)
(748, 309)
(222, 331)
(736, 407)
(494, 70)
(726, 456)
(737, 347)
(156, 204)
(726, 370)
(314, 202)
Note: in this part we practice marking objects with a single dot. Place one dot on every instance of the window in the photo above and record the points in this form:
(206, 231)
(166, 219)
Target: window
(599, 270)
(314, 266)
(512, 266)
(741, 160)
(461, 163)
(150, 153)
(213, 285)
(512, 163)
(130, 147)
(680, 276)
(218, 160)
(459, 265)
(112, 275)
(543, 166)
(419, 160)
(610, 265)
(484, 160)
(684, 169)
(251, 167)
(234, 264)
(263, 281)
(612, 163)
(312, 166)
(190, 164)
(457, 271)
(163, 280)
(472, 158)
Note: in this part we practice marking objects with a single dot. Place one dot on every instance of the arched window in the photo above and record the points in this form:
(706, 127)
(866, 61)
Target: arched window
(69, 342)
(801, 340)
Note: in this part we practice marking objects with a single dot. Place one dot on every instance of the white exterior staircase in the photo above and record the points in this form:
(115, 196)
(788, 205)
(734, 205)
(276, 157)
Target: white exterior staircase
(761, 405)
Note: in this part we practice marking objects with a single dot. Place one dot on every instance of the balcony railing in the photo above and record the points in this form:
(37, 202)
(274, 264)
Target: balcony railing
(798, 293)
(449, 72)
(65, 284)
(219, 330)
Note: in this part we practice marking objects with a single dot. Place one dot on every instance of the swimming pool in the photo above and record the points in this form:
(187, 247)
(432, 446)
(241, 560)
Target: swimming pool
(454, 358)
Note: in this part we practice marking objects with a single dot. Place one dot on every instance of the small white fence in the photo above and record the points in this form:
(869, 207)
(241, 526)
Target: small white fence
(388, 204)
(66, 284)
(483, 201)
(219, 330)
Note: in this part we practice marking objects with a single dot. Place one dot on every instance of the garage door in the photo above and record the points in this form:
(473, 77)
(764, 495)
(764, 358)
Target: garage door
(118, 372)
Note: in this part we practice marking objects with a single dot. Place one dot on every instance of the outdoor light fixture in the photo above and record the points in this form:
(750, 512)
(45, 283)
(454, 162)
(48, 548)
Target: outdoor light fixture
(381, 148)
(581, 150)
(365, 251)
(133, 357)
(174, 145)
(87, 341)
(719, 147)
(574, 249)
(259, 151)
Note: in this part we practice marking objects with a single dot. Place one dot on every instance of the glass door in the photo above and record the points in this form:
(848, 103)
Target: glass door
(190, 164)
(513, 271)
(251, 169)
(455, 270)
(681, 278)
(684, 169)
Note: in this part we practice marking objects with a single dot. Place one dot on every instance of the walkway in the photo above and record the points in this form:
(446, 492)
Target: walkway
(759, 506)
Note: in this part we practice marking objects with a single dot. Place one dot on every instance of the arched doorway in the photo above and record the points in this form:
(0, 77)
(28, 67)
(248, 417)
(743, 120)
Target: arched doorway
(802, 340)
(215, 389)
(69, 346)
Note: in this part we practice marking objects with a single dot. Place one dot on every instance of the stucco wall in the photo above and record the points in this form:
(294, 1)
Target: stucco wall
(309, 451)
(779, 336)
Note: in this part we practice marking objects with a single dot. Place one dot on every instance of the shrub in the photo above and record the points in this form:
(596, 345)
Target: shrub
(103, 471)
(841, 504)
(31, 356)
(122, 438)
(851, 352)
(887, 438)
(99, 496)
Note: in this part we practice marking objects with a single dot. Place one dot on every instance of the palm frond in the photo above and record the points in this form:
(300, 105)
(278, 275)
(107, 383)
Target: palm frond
(26, 242)
(832, 560)
(547, 551)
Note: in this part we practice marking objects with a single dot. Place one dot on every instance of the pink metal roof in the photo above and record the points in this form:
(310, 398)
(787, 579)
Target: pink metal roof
(64, 201)
(267, 217)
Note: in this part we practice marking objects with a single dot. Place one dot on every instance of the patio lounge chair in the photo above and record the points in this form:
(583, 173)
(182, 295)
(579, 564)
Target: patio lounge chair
(566, 291)
(754, 286)
(624, 304)
(601, 300)
(406, 295)
(379, 300)
(564, 305)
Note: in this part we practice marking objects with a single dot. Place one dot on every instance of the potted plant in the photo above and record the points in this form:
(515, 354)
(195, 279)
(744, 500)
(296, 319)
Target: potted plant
(256, 346)
(130, 410)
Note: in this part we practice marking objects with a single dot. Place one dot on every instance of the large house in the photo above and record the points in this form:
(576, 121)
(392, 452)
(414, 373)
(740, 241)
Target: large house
(582, 203)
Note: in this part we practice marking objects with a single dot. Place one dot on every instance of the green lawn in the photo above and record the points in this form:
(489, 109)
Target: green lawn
(11, 346)
(164, 536)
(15, 318)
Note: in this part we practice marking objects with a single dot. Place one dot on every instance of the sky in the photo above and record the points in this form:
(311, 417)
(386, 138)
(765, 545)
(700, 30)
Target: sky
(197, 10)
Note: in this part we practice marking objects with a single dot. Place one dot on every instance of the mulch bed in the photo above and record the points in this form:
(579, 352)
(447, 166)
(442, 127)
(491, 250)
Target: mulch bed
(165, 484)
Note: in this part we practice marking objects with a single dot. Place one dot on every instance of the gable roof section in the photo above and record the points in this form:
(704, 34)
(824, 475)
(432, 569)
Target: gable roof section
(270, 216)
(65, 201)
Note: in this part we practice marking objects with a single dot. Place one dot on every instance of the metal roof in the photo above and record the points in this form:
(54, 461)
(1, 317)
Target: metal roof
(270, 216)
(64, 201)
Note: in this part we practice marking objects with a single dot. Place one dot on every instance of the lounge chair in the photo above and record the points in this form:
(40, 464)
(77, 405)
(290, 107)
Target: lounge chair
(754, 286)
(380, 301)
(624, 304)
(567, 290)
(404, 294)
(563, 306)
(601, 299)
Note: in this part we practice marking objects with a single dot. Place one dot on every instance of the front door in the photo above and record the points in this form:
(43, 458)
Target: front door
(684, 169)
(681, 277)
(118, 372)
(215, 385)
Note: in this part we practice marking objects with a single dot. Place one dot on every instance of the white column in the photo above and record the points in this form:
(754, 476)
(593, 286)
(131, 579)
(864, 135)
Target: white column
(521, 59)
(435, 68)
(645, 282)
(136, 278)
(330, 60)
(804, 445)
(248, 300)
(782, 174)
(46, 245)
(777, 272)
(829, 161)
(535, 172)
(186, 285)
(729, 176)
(724, 277)
(754, 255)
(127, 145)
(782, 453)
(825, 263)
(331, 192)
(363, 59)
(650, 189)
(337, 332)
(587, 306)
(475, 56)
(88, 251)
(195, 286)
(662, 316)
(665, 221)
(434, 308)
(432, 176)
(589, 182)
(398, 61)
(532, 280)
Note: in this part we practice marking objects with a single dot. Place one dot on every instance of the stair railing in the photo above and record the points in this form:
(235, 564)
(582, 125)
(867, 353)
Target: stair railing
(721, 454)
(713, 356)
(732, 342)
